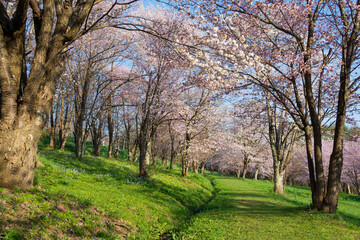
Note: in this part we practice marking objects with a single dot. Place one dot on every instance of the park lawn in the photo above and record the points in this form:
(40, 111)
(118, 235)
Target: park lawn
(248, 209)
(99, 198)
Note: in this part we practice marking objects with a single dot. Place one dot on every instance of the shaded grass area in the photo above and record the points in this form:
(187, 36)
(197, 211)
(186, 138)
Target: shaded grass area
(248, 209)
(99, 198)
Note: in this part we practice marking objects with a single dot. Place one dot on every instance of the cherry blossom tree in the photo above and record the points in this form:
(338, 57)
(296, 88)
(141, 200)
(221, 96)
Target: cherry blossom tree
(291, 49)
(28, 80)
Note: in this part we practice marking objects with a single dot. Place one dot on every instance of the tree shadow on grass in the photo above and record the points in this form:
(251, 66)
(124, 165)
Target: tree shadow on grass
(92, 166)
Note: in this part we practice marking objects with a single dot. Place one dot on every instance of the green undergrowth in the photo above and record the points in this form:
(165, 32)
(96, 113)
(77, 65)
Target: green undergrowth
(99, 198)
(248, 209)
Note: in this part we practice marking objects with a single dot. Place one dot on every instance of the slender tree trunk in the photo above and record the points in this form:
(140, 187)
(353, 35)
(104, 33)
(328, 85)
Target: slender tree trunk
(97, 138)
(65, 125)
(164, 162)
(185, 168)
(202, 168)
(52, 130)
(256, 173)
(238, 172)
(148, 152)
(154, 163)
(64, 136)
(111, 134)
(246, 165)
(308, 145)
(336, 158)
(143, 151)
(196, 168)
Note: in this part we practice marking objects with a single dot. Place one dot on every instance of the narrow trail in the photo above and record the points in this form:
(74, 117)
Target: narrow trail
(248, 209)
(173, 233)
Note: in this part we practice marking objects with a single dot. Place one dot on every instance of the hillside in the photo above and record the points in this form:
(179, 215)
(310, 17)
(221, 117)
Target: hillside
(101, 198)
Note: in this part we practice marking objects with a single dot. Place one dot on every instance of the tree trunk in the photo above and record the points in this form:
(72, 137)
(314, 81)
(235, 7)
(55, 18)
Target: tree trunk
(256, 173)
(143, 152)
(18, 150)
(97, 134)
(63, 136)
(279, 181)
(148, 152)
(202, 167)
(238, 172)
(246, 165)
(196, 168)
(65, 124)
(172, 159)
(111, 134)
(336, 158)
(52, 130)
(312, 179)
(154, 163)
(185, 168)
(164, 162)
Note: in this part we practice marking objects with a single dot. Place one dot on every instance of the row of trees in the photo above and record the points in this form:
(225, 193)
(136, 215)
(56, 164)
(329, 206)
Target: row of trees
(157, 83)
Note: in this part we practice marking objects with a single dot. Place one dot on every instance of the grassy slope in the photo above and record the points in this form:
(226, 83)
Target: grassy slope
(247, 209)
(102, 198)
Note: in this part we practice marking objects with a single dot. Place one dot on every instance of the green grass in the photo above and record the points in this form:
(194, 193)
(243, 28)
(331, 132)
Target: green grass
(248, 209)
(101, 198)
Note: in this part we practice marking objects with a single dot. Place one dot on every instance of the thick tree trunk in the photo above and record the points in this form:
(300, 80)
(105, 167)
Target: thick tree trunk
(279, 175)
(18, 152)
(279, 183)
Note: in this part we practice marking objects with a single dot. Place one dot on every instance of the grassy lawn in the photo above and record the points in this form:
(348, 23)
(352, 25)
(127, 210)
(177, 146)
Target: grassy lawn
(99, 198)
(247, 209)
